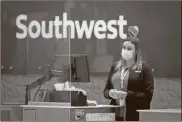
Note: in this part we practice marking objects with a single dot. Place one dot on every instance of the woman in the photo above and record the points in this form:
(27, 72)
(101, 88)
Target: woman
(133, 78)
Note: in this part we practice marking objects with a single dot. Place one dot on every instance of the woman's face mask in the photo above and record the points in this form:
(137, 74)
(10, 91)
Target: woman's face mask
(128, 50)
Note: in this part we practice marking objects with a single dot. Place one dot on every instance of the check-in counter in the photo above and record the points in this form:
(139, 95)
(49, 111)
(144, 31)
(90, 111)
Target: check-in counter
(57, 113)
(160, 115)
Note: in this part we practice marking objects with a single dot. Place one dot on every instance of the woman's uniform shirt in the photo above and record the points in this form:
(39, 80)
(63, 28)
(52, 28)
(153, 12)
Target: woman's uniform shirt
(139, 90)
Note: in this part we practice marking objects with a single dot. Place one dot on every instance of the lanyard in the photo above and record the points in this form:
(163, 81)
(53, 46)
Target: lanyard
(123, 74)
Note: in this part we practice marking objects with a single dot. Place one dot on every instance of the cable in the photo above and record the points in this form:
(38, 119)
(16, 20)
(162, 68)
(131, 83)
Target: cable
(36, 93)
(43, 98)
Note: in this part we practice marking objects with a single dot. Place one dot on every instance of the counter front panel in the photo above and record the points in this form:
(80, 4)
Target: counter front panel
(67, 114)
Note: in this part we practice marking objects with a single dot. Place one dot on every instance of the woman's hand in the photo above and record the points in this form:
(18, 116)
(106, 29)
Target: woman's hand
(115, 94)
(112, 93)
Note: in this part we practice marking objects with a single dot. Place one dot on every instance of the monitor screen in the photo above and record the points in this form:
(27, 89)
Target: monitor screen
(77, 63)
(79, 69)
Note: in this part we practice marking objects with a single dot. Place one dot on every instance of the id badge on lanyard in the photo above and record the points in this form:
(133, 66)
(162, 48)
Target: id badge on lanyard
(123, 74)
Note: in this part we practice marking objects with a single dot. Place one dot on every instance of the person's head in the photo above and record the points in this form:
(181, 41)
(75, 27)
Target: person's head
(130, 51)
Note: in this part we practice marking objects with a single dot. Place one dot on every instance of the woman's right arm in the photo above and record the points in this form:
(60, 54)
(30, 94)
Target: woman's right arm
(108, 85)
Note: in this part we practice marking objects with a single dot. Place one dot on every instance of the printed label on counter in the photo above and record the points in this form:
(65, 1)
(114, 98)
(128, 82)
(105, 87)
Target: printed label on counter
(100, 117)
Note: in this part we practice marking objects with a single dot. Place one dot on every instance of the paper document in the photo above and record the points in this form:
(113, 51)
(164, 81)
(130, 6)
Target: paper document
(91, 102)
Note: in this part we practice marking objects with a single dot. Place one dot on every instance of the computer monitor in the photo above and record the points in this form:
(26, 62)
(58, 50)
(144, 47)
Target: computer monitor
(79, 67)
